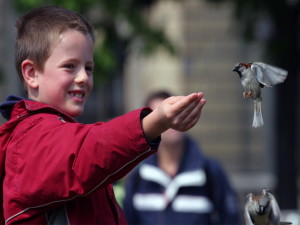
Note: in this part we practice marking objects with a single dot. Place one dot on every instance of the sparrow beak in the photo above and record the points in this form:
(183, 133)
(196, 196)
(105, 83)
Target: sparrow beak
(236, 69)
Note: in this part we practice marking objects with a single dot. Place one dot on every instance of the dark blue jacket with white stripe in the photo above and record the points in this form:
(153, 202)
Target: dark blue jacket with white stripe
(199, 194)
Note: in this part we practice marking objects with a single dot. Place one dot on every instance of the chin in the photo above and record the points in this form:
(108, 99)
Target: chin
(74, 112)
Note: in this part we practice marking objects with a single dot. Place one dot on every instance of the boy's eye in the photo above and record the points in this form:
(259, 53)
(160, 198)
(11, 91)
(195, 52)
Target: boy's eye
(69, 66)
(89, 68)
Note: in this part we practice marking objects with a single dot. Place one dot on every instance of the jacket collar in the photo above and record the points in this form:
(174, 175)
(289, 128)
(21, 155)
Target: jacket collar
(18, 107)
(7, 106)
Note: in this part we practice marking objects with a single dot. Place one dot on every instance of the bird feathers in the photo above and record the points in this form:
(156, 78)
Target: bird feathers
(253, 77)
(268, 75)
(262, 210)
(257, 118)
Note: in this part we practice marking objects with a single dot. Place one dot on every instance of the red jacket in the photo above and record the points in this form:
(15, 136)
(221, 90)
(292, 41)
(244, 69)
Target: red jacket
(55, 170)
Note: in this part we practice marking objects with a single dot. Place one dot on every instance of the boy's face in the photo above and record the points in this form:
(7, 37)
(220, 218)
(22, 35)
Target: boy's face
(67, 80)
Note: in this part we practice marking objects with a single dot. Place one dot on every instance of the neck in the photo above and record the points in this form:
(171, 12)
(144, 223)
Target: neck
(169, 157)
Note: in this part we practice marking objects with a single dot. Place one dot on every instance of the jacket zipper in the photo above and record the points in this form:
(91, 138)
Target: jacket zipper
(21, 116)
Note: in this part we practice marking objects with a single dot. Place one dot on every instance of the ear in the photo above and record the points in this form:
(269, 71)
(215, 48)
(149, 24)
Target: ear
(29, 73)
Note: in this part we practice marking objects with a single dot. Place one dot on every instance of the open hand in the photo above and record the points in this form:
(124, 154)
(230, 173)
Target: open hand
(177, 112)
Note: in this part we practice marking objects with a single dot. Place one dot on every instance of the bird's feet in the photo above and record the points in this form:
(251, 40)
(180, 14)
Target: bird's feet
(248, 94)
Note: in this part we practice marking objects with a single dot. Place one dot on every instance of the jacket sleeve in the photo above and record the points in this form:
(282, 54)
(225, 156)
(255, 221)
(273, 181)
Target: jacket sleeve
(224, 196)
(53, 160)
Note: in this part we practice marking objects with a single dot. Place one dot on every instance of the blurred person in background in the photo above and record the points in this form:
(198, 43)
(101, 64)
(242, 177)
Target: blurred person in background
(179, 185)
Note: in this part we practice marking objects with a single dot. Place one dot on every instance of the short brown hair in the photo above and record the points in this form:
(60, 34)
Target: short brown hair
(157, 95)
(40, 28)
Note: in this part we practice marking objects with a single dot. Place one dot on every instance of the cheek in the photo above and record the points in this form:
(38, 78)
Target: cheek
(90, 83)
(63, 81)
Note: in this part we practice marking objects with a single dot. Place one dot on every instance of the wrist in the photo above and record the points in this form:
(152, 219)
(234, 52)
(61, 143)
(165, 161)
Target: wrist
(152, 126)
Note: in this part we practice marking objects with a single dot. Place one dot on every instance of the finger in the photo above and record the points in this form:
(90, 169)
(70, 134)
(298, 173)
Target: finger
(189, 123)
(194, 121)
(181, 115)
(180, 101)
(191, 111)
(190, 120)
(194, 116)
(186, 101)
(200, 94)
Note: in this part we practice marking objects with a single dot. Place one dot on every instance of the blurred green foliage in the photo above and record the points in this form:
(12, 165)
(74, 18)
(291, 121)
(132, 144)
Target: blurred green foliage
(118, 24)
(280, 36)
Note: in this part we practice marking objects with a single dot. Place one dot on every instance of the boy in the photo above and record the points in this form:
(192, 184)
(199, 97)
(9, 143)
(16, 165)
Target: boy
(55, 170)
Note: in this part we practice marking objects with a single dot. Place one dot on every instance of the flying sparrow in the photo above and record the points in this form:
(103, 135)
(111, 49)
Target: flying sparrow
(255, 76)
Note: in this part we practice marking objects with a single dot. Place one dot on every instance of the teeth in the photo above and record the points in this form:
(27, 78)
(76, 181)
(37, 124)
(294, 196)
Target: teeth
(77, 95)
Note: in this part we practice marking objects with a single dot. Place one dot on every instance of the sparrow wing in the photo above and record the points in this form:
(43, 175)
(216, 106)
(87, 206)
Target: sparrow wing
(268, 75)
(275, 213)
(247, 217)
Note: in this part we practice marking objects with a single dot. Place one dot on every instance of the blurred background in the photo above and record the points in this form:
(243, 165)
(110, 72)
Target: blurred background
(190, 46)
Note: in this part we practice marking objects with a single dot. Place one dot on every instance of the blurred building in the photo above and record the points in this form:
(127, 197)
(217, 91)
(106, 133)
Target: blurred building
(209, 46)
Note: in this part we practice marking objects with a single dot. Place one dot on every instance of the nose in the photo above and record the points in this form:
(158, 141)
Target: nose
(82, 76)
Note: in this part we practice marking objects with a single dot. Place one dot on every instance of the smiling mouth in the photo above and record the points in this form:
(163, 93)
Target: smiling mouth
(77, 94)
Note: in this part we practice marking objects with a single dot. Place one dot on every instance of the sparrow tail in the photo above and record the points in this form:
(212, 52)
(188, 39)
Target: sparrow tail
(257, 118)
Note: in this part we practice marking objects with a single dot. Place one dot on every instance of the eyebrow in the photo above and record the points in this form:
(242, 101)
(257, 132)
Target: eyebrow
(76, 60)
